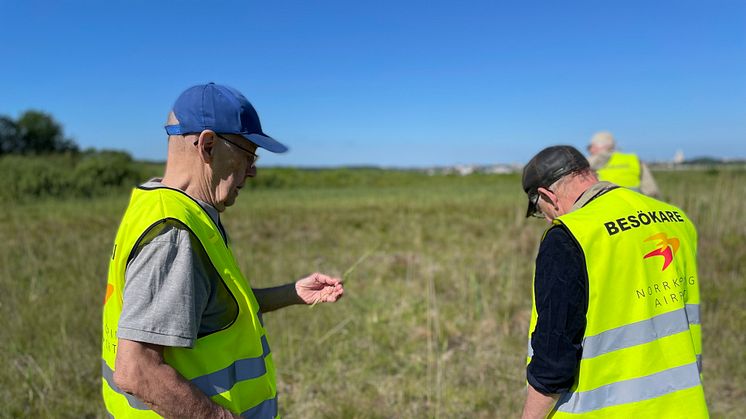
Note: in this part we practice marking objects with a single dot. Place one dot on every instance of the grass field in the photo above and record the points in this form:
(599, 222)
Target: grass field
(433, 323)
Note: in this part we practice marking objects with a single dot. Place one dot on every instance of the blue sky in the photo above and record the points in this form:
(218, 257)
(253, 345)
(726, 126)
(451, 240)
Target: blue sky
(391, 83)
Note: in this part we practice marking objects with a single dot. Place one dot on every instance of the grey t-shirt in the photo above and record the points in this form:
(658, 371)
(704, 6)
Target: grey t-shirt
(172, 292)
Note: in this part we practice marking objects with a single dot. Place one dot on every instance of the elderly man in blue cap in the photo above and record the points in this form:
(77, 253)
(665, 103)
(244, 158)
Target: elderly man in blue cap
(183, 334)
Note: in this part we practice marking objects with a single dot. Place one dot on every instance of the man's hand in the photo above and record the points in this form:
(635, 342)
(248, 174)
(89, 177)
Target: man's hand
(319, 288)
(315, 288)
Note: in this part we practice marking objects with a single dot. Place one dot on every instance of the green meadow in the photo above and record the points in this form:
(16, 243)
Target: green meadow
(434, 320)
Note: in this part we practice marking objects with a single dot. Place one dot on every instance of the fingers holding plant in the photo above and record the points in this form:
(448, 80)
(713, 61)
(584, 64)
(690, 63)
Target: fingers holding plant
(319, 288)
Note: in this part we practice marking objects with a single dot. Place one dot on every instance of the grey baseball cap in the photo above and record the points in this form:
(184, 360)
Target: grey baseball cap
(547, 167)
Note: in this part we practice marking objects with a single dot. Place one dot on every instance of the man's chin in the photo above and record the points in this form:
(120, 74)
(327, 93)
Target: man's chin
(230, 201)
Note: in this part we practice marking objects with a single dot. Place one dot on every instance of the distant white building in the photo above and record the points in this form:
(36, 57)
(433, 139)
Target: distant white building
(464, 170)
(499, 169)
(678, 157)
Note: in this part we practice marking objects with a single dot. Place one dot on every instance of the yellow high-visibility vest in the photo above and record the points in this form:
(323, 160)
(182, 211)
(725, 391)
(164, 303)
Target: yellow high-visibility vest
(642, 345)
(623, 170)
(232, 366)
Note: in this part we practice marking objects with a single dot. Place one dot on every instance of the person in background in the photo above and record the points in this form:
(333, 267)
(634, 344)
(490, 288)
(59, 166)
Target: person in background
(615, 326)
(623, 169)
(183, 334)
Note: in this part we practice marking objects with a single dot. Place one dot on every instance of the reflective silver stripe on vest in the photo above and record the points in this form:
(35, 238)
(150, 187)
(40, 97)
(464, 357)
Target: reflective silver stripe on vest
(266, 409)
(692, 313)
(630, 391)
(108, 375)
(637, 333)
(241, 370)
(699, 363)
(644, 331)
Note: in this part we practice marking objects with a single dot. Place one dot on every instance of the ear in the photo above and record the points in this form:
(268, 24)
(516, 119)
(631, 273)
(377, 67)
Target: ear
(206, 145)
(549, 196)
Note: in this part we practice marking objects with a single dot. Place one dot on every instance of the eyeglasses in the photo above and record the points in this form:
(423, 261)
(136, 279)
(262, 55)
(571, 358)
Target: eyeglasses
(254, 156)
(537, 212)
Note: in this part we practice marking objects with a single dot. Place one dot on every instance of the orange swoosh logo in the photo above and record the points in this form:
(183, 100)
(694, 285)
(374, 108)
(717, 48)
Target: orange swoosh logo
(666, 247)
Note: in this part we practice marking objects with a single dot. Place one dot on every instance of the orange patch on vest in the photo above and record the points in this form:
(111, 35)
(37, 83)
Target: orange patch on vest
(109, 291)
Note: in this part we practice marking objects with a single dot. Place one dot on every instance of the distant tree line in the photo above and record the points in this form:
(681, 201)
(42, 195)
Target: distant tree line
(35, 133)
(37, 160)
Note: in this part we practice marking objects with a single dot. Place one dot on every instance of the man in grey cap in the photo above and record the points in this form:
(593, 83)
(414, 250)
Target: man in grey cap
(623, 169)
(612, 333)
(183, 334)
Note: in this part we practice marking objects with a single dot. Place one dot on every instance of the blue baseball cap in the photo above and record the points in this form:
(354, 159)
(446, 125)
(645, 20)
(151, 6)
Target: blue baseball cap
(221, 109)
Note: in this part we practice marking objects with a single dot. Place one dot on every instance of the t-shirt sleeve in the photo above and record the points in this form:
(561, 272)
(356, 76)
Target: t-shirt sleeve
(164, 295)
(648, 186)
(560, 288)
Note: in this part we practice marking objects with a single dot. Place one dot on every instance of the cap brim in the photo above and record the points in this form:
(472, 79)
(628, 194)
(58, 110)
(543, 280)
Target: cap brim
(267, 143)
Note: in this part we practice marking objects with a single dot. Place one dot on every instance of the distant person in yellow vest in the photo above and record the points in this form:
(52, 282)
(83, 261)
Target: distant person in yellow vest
(615, 326)
(623, 169)
(183, 334)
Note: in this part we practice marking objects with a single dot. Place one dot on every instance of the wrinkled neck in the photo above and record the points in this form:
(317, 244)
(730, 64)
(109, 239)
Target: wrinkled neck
(186, 172)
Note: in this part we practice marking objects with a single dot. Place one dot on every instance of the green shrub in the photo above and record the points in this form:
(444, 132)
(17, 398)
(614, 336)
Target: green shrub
(104, 171)
(89, 174)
